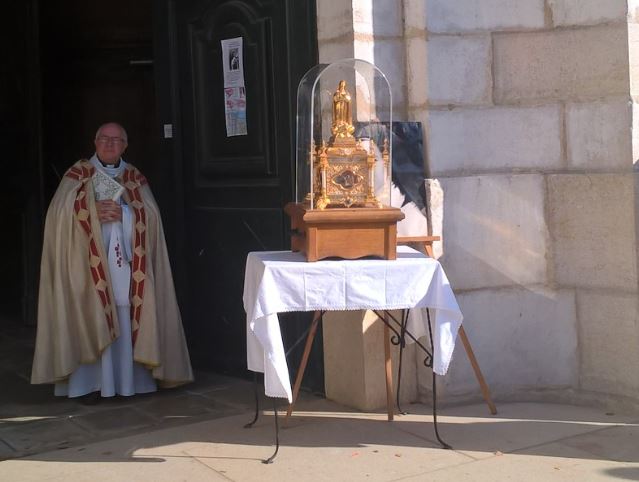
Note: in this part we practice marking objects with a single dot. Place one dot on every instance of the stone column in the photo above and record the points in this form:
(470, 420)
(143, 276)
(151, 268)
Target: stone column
(353, 341)
(354, 361)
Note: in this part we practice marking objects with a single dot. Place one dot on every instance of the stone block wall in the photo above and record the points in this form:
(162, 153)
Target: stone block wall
(529, 115)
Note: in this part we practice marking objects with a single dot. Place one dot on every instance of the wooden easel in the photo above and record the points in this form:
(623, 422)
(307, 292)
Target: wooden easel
(317, 316)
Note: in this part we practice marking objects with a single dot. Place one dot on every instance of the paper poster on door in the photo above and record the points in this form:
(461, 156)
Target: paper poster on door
(235, 105)
(234, 89)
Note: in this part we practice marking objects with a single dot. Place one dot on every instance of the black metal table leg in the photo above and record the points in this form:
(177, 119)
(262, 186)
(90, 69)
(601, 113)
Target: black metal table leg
(277, 436)
(257, 402)
(257, 414)
(432, 346)
(398, 338)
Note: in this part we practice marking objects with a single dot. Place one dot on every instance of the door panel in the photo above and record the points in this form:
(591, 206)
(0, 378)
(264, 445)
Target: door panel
(234, 171)
(217, 254)
(234, 188)
(220, 157)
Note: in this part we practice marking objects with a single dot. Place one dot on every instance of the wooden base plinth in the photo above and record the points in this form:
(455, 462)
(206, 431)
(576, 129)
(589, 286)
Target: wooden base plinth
(348, 233)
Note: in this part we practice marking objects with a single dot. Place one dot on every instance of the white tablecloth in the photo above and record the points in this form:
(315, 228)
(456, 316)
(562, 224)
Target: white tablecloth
(281, 281)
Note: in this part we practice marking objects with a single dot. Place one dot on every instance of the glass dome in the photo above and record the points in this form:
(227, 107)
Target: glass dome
(344, 146)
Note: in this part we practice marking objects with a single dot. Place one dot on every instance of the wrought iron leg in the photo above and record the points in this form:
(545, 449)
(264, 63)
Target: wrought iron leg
(277, 436)
(257, 402)
(432, 346)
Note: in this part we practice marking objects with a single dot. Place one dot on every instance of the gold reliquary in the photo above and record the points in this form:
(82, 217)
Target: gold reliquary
(343, 164)
(344, 168)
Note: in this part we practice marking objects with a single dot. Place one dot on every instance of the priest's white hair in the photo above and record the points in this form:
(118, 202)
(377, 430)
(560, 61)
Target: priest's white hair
(124, 134)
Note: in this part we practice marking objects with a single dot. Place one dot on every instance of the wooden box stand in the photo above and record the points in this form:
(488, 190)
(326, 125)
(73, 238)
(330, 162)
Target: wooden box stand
(348, 233)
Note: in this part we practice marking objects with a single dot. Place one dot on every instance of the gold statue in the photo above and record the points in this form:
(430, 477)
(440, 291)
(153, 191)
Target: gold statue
(342, 118)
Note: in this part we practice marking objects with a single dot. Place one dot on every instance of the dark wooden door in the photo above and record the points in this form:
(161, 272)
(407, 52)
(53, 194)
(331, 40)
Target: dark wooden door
(234, 188)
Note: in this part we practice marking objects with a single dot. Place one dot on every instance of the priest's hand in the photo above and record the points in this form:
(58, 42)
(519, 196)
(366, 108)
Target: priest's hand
(108, 211)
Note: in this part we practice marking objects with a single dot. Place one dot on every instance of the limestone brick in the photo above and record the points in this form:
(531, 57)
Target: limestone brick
(569, 64)
(332, 51)
(334, 20)
(388, 56)
(469, 15)
(414, 16)
(417, 71)
(598, 134)
(375, 364)
(377, 18)
(581, 12)
(633, 46)
(503, 138)
(635, 134)
(522, 339)
(633, 10)
(435, 213)
(364, 48)
(343, 357)
(609, 342)
(635, 176)
(459, 69)
(494, 231)
(592, 226)
(354, 361)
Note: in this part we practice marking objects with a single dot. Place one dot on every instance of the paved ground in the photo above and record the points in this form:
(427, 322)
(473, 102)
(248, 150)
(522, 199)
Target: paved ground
(32, 420)
(196, 434)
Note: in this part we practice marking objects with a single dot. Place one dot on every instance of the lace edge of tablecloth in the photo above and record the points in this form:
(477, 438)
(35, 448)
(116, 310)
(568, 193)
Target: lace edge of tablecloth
(359, 308)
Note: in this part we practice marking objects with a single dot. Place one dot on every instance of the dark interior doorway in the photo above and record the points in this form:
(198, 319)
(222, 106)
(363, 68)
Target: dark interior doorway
(19, 143)
(97, 66)
(72, 65)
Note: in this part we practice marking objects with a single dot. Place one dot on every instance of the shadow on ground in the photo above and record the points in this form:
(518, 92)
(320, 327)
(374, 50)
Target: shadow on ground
(207, 417)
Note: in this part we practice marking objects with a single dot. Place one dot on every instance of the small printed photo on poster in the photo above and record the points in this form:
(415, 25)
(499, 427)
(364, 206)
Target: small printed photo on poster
(232, 62)
(234, 59)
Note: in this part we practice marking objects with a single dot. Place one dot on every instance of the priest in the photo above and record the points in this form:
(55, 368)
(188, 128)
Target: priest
(108, 319)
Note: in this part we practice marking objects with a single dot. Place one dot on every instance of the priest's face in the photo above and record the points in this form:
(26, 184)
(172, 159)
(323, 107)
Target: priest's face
(110, 143)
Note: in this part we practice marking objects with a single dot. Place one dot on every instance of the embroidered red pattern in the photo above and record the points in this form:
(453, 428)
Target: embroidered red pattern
(82, 172)
(133, 181)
